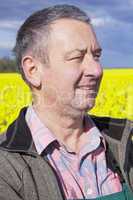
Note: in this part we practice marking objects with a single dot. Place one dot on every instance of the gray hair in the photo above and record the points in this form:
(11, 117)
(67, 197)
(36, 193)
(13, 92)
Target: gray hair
(37, 27)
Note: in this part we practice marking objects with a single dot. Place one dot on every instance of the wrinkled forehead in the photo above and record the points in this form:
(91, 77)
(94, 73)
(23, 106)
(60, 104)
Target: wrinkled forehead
(69, 34)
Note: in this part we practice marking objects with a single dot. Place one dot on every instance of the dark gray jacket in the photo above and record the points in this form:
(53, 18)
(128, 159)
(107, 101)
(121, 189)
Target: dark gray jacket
(24, 175)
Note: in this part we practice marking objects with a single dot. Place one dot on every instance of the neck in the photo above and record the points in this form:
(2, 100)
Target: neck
(68, 129)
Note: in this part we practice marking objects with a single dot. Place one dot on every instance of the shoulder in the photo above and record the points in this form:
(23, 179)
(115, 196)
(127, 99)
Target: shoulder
(119, 135)
(114, 127)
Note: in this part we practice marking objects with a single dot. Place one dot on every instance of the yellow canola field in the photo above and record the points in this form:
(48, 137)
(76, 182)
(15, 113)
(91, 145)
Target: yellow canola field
(115, 97)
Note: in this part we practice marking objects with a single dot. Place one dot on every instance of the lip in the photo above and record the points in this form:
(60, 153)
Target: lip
(87, 87)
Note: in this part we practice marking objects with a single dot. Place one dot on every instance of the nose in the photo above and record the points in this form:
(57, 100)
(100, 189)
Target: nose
(93, 68)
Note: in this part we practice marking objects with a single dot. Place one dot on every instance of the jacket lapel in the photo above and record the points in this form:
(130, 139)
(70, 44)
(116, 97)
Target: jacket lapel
(18, 136)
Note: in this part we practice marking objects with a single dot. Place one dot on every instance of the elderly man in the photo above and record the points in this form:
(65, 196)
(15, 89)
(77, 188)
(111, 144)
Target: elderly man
(54, 150)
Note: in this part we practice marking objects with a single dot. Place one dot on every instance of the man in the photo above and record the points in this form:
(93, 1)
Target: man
(54, 150)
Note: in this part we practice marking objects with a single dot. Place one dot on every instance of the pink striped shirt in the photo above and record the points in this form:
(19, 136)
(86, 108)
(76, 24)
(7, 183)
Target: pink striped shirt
(85, 175)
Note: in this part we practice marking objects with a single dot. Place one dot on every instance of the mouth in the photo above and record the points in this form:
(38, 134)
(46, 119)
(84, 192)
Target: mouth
(88, 87)
(89, 91)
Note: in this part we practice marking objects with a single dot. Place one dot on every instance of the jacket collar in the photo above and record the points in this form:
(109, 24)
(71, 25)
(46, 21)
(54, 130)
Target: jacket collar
(18, 136)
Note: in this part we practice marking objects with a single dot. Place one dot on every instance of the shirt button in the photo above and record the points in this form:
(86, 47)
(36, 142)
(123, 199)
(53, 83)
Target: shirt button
(89, 191)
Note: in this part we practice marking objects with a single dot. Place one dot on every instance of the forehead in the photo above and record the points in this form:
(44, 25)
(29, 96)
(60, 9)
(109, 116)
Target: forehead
(70, 34)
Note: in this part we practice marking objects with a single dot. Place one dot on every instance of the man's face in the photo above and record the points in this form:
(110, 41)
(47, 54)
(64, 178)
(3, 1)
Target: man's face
(72, 79)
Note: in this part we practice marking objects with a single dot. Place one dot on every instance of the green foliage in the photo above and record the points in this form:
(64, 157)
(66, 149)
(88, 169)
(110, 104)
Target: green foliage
(8, 65)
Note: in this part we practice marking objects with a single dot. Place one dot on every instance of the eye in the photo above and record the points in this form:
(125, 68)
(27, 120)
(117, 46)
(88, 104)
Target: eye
(96, 57)
(77, 58)
(97, 54)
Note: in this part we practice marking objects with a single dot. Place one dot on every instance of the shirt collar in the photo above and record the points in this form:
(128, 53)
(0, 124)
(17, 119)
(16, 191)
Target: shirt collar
(41, 135)
(93, 138)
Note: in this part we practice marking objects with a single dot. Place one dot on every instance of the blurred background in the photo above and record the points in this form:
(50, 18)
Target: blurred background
(113, 24)
(112, 19)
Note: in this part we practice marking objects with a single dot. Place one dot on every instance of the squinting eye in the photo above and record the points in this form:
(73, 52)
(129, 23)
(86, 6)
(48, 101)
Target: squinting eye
(76, 58)
(96, 57)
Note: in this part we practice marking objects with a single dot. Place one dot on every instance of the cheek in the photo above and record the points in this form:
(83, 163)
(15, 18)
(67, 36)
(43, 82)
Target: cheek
(70, 77)
(62, 79)
(48, 83)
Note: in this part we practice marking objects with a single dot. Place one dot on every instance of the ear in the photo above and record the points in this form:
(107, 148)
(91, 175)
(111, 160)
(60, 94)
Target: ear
(31, 70)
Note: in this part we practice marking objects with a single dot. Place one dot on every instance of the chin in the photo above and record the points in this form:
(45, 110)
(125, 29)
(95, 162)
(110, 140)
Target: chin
(83, 106)
(89, 105)
(86, 107)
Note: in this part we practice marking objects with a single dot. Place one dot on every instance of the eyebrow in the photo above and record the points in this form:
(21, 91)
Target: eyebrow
(83, 51)
(97, 50)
